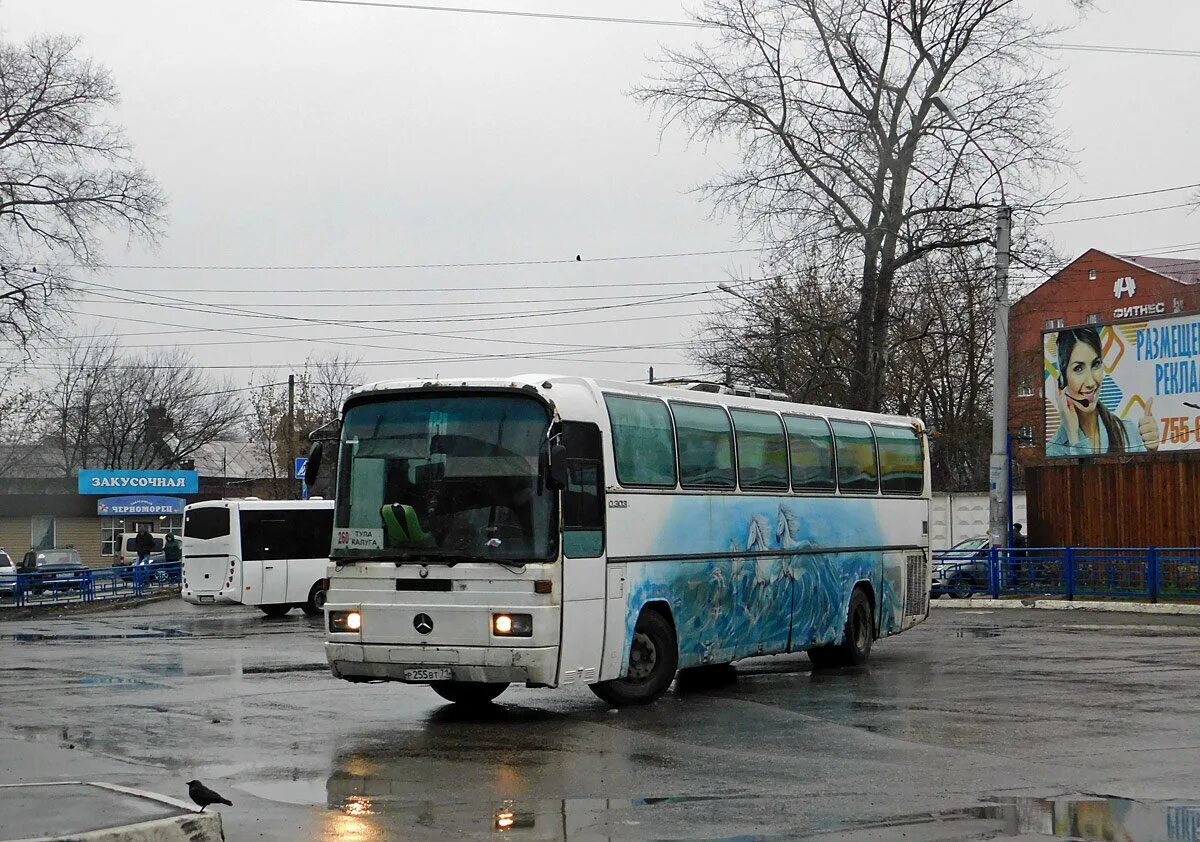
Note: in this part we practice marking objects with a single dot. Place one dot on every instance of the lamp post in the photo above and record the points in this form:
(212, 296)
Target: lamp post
(776, 334)
(998, 473)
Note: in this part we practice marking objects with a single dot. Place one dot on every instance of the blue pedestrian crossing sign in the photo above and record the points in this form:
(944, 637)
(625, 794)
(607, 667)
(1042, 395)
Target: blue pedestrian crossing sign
(301, 465)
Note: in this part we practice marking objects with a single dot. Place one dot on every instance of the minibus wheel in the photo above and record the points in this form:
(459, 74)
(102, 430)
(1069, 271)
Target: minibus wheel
(275, 610)
(469, 692)
(315, 604)
(854, 650)
(653, 660)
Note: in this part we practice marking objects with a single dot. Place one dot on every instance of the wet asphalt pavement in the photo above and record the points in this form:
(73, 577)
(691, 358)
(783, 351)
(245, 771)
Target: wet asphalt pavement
(973, 706)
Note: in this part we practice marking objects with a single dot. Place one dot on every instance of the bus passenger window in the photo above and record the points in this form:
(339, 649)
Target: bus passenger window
(901, 460)
(642, 441)
(810, 445)
(705, 446)
(761, 449)
(857, 471)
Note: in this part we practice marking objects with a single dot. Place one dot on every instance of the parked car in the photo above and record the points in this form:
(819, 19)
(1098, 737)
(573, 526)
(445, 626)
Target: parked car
(963, 569)
(127, 553)
(52, 569)
(8, 574)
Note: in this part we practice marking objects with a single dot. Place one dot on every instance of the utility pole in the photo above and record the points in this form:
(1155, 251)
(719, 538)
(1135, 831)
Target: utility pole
(998, 479)
(999, 520)
(291, 435)
(777, 334)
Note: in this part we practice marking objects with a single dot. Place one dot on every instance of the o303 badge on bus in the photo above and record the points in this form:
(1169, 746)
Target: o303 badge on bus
(358, 539)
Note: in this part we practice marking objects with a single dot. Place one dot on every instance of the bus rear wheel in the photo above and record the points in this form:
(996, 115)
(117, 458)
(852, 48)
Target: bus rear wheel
(275, 610)
(316, 601)
(469, 692)
(653, 661)
(854, 650)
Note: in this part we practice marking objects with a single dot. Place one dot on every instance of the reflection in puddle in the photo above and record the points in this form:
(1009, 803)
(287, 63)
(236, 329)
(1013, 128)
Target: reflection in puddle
(979, 631)
(1100, 819)
(1078, 817)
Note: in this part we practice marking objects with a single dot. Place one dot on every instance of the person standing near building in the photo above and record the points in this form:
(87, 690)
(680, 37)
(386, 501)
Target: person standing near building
(173, 548)
(143, 544)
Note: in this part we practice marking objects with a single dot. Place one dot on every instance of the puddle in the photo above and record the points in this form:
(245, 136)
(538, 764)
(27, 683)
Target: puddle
(42, 637)
(115, 681)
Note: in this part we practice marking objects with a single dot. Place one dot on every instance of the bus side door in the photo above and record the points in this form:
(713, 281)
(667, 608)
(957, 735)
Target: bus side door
(584, 565)
(266, 542)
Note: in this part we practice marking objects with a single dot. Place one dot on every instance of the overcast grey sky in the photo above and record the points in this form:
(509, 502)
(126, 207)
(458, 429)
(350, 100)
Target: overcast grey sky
(295, 134)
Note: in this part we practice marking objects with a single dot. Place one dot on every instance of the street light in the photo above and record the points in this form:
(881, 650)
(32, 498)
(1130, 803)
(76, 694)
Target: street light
(776, 334)
(998, 473)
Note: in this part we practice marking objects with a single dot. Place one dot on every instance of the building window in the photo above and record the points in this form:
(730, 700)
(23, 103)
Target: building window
(1024, 389)
(1091, 274)
(1025, 436)
(110, 533)
(1093, 318)
(1054, 324)
(41, 532)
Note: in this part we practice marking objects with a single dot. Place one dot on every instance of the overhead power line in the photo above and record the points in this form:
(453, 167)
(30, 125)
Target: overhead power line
(376, 266)
(1121, 213)
(689, 24)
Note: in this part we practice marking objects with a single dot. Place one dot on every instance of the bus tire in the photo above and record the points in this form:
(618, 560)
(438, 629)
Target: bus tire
(469, 692)
(275, 610)
(855, 649)
(315, 605)
(653, 660)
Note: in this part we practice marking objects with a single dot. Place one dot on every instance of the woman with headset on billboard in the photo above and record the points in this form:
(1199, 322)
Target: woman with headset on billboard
(1088, 427)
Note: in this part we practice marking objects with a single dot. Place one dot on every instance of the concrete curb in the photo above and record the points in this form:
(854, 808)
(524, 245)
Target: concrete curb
(27, 612)
(1167, 608)
(189, 826)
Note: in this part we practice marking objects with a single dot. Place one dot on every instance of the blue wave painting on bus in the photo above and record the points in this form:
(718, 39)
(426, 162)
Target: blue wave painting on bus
(726, 608)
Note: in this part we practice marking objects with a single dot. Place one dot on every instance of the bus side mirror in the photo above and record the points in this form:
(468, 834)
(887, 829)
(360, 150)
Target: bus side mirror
(558, 468)
(314, 463)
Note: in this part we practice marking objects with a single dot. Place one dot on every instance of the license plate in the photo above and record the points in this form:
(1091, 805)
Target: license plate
(207, 598)
(442, 674)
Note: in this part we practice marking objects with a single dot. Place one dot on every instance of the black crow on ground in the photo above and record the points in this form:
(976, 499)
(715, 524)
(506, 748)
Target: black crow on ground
(204, 796)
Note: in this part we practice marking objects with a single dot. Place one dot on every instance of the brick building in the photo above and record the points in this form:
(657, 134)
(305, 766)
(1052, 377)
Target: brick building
(1129, 499)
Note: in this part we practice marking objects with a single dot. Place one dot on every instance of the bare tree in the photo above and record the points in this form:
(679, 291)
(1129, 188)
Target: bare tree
(109, 410)
(320, 387)
(66, 175)
(20, 419)
(940, 343)
(831, 103)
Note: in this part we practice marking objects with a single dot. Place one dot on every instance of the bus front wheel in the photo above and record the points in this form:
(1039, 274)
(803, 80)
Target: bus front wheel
(469, 692)
(854, 650)
(653, 660)
(275, 610)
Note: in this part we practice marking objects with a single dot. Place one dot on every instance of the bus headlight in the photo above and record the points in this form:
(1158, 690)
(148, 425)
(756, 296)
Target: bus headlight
(345, 621)
(512, 625)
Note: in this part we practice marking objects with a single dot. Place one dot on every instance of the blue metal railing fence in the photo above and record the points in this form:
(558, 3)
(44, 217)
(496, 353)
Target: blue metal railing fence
(1146, 573)
(89, 585)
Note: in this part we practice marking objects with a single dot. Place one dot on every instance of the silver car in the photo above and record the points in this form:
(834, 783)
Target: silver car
(8, 574)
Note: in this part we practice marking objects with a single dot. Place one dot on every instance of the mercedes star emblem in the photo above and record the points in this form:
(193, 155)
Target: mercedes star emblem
(423, 623)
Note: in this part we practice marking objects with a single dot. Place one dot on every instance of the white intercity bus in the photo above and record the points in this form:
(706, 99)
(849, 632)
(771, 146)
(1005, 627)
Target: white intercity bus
(556, 531)
(268, 553)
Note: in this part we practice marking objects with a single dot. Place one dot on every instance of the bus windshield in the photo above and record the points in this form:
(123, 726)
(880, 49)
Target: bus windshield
(447, 478)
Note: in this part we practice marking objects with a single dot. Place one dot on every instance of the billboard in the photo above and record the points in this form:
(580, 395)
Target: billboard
(1123, 388)
(109, 482)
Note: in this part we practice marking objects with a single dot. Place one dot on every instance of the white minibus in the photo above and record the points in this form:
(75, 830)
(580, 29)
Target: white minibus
(268, 553)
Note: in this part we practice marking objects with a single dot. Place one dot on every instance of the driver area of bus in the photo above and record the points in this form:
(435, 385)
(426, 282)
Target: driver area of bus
(466, 496)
